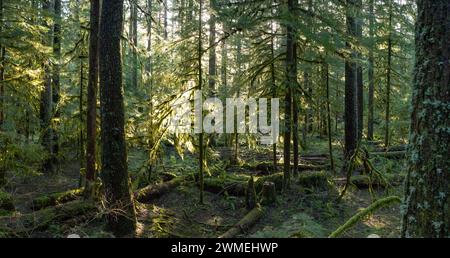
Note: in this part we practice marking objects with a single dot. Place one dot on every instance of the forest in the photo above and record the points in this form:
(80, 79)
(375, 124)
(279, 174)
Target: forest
(224, 119)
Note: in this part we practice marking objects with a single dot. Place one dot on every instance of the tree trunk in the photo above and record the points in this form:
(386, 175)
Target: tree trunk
(427, 207)
(274, 93)
(91, 126)
(359, 75)
(2, 73)
(56, 80)
(46, 104)
(200, 88)
(371, 72)
(114, 156)
(212, 67)
(350, 87)
(134, 43)
(330, 146)
(388, 83)
(291, 77)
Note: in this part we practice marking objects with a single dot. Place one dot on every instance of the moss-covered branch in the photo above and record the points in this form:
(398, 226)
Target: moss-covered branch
(363, 213)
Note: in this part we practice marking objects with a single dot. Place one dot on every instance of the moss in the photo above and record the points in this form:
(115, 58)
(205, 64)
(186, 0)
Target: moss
(56, 198)
(317, 180)
(6, 201)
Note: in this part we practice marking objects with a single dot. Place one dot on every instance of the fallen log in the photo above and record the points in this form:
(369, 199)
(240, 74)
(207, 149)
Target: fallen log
(151, 192)
(56, 198)
(390, 154)
(245, 223)
(401, 147)
(22, 225)
(266, 168)
(364, 181)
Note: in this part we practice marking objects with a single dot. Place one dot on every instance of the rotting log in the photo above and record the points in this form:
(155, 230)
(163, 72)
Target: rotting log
(364, 181)
(390, 154)
(265, 168)
(401, 147)
(23, 225)
(56, 198)
(151, 192)
(245, 223)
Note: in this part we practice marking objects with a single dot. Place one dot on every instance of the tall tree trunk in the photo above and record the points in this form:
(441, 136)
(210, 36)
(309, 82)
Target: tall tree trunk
(330, 145)
(200, 88)
(2, 72)
(371, 72)
(46, 104)
(427, 197)
(56, 79)
(134, 43)
(359, 75)
(274, 91)
(388, 81)
(149, 71)
(212, 66)
(91, 126)
(224, 80)
(350, 86)
(291, 77)
(114, 155)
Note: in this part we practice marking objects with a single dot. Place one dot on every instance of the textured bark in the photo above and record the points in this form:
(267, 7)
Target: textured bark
(359, 74)
(46, 104)
(200, 88)
(350, 88)
(91, 126)
(56, 80)
(370, 114)
(114, 156)
(388, 81)
(427, 203)
(134, 43)
(291, 77)
(2, 73)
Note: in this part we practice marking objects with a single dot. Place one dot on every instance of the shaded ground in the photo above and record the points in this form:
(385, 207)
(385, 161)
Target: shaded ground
(297, 212)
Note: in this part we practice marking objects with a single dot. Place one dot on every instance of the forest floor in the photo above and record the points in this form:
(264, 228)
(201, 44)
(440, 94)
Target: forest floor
(296, 213)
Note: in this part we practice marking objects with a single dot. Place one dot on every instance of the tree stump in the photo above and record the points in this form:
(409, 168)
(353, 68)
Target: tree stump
(269, 193)
(250, 195)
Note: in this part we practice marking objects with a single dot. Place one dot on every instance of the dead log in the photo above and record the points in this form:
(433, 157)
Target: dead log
(390, 154)
(22, 225)
(250, 195)
(245, 223)
(151, 192)
(401, 147)
(364, 181)
(56, 198)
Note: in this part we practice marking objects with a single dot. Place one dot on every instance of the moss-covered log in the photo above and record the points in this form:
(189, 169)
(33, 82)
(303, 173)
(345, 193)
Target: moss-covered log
(364, 181)
(151, 192)
(245, 223)
(390, 154)
(363, 213)
(56, 198)
(22, 225)
(6, 201)
(265, 168)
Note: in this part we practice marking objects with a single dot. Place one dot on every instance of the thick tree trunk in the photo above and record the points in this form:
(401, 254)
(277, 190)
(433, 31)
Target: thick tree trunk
(359, 75)
(46, 104)
(427, 197)
(350, 87)
(2, 73)
(370, 115)
(91, 126)
(388, 81)
(56, 80)
(291, 77)
(114, 155)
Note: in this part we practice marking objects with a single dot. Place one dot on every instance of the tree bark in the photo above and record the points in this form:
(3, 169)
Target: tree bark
(114, 156)
(388, 79)
(371, 72)
(91, 126)
(426, 203)
(350, 87)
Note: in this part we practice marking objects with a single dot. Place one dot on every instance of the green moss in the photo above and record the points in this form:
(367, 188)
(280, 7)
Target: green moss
(6, 201)
(56, 198)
